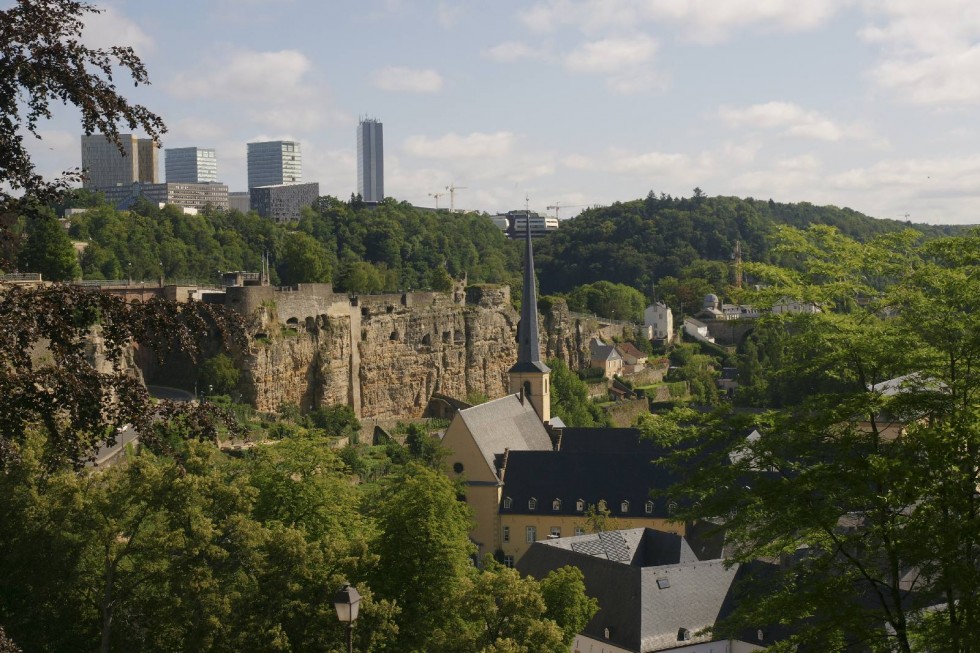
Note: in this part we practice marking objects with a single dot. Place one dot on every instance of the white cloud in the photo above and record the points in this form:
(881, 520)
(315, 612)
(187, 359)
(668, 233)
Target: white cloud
(109, 28)
(791, 119)
(929, 50)
(247, 75)
(411, 80)
(611, 55)
(699, 20)
(475, 145)
(512, 51)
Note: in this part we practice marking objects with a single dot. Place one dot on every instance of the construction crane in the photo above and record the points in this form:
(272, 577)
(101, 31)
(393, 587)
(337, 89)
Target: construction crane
(437, 196)
(452, 188)
(558, 206)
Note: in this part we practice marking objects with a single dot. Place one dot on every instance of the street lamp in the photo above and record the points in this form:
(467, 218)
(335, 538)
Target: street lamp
(347, 601)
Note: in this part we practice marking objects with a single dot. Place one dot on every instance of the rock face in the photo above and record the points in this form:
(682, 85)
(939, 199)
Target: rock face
(385, 355)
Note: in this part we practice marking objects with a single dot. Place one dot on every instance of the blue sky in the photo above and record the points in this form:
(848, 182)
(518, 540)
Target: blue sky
(869, 104)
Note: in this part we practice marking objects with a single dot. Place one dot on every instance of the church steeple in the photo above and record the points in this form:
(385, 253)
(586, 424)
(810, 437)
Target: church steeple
(529, 375)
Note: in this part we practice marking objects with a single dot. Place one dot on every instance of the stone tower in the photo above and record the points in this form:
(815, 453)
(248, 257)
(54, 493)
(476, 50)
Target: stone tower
(529, 375)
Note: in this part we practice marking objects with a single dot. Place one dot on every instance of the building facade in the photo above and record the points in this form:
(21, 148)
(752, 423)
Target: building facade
(515, 223)
(188, 196)
(106, 167)
(240, 201)
(190, 165)
(283, 202)
(659, 321)
(370, 161)
(274, 163)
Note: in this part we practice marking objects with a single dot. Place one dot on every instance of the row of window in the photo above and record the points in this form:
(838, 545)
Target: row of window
(531, 533)
(624, 506)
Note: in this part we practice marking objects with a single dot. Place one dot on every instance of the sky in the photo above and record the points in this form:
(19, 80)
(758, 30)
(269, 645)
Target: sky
(867, 104)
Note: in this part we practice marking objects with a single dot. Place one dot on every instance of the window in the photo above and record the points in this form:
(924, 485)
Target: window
(506, 534)
(602, 504)
(531, 534)
(509, 562)
(624, 507)
(648, 508)
(671, 507)
(580, 505)
(556, 505)
(579, 531)
(507, 503)
(458, 468)
(556, 531)
(532, 504)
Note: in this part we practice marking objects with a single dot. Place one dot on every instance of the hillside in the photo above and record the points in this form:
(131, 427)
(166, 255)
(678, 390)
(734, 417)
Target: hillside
(642, 242)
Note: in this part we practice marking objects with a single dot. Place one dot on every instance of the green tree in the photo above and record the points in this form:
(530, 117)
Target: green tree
(865, 485)
(304, 260)
(424, 551)
(567, 603)
(48, 250)
(338, 420)
(219, 375)
(570, 398)
(612, 300)
(425, 448)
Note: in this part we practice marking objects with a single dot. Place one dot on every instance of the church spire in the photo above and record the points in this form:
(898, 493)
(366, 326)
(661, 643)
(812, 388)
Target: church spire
(529, 343)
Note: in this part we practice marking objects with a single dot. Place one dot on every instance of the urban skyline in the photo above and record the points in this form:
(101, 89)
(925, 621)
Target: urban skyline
(860, 104)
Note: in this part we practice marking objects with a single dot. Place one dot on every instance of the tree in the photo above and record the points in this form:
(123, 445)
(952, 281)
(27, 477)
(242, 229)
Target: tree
(48, 249)
(566, 602)
(864, 486)
(219, 375)
(304, 260)
(424, 551)
(45, 60)
(338, 420)
(570, 398)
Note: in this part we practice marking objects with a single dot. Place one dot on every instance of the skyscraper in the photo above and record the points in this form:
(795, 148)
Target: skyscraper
(191, 165)
(105, 167)
(370, 161)
(271, 163)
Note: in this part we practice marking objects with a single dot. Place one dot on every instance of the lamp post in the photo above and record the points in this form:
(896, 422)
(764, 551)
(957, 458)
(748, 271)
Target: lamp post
(347, 601)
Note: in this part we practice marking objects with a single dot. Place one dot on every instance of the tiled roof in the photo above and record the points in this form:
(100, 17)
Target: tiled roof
(649, 584)
(505, 423)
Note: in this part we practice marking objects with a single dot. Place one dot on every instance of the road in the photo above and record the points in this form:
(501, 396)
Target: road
(107, 455)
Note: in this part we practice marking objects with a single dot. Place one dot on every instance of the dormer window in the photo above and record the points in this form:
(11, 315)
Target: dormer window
(580, 505)
(624, 507)
(648, 508)
(507, 503)
(671, 507)
(602, 504)
(556, 505)
(532, 504)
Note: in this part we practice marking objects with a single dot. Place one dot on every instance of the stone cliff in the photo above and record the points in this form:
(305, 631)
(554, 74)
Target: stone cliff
(386, 354)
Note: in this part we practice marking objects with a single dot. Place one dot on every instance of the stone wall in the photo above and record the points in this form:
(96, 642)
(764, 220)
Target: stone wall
(385, 355)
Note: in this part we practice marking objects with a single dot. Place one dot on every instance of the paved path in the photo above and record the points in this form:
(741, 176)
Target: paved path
(128, 435)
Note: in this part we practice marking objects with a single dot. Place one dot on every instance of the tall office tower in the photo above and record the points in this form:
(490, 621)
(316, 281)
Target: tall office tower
(105, 167)
(191, 165)
(272, 163)
(370, 161)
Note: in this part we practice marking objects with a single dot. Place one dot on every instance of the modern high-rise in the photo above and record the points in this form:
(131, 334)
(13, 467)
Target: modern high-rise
(105, 167)
(273, 163)
(191, 165)
(370, 161)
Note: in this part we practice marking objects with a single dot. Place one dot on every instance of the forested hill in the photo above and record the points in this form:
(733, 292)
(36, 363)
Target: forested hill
(651, 240)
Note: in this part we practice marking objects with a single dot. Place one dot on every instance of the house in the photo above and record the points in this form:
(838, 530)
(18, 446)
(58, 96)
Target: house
(552, 494)
(606, 358)
(634, 360)
(697, 330)
(655, 591)
(659, 322)
(714, 309)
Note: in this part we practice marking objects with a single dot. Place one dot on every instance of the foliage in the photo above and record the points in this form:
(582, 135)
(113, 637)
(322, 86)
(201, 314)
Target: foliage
(597, 518)
(498, 610)
(44, 60)
(425, 448)
(570, 398)
(866, 492)
(606, 299)
(303, 260)
(338, 420)
(424, 550)
(48, 381)
(698, 370)
(567, 603)
(48, 249)
(219, 374)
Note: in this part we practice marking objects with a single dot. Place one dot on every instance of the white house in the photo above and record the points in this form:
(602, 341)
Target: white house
(659, 321)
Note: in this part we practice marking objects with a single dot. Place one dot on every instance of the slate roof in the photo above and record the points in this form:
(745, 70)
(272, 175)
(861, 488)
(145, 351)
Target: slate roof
(614, 465)
(645, 595)
(603, 352)
(505, 423)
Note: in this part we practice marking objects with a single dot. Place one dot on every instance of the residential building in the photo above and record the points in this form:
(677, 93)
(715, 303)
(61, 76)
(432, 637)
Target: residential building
(274, 163)
(190, 165)
(657, 591)
(714, 309)
(283, 202)
(697, 330)
(105, 166)
(659, 321)
(634, 360)
(370, 160)
(606, 358)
